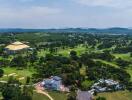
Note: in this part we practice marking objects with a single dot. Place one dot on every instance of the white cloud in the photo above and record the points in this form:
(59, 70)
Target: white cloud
(34, 16)
(35, 11)
(25, 0)
(106, 3)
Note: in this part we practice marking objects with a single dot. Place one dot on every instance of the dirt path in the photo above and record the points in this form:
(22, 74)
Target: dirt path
(44, 93)
(41, 91)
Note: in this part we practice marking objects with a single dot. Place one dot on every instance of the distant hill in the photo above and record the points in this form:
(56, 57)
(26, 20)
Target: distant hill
(116, 30)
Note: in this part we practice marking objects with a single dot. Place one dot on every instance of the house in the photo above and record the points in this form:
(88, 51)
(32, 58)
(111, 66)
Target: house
(53, 83)
(84, 95)
(16, 47)
(104, 85)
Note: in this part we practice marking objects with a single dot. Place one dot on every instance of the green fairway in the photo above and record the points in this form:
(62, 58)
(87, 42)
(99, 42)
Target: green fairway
(23, 72)
(120, 95)
(65, 52)
(124, 56)
(106, 62)
(80, 49)
(18, 74)
(43, 52)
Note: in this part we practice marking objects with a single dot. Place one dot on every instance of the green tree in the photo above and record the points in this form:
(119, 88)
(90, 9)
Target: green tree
(28, 80)
(13, 80)
(14, 91)
(1, 72)
(19, 62)
(11, 92)
(73, 55)
(129, 86)
(72, 96)
(131, 54)
(27, 93)
(86, 85)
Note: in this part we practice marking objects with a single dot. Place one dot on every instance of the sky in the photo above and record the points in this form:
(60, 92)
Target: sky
(65, 13)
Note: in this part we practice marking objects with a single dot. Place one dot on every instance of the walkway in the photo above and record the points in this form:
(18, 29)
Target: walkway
(40, 90)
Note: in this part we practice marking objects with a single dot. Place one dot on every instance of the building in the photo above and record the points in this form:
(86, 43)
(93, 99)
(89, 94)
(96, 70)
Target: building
(16, 47)
(84, 95)
(104, 85)
(53, 83)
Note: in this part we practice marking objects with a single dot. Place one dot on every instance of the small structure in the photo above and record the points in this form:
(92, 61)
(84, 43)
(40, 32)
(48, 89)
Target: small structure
(16, 47)
(54, 83)
(84, 95)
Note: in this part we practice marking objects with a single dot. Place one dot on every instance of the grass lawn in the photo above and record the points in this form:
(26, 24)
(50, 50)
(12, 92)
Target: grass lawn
(120, 95)
(37, 96)
(57, 95)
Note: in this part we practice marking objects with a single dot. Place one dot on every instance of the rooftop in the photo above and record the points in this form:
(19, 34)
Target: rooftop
(53, 83)
(17, 46)
(84, 95)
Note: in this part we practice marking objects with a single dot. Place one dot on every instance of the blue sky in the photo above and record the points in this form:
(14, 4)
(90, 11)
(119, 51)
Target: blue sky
(65, 13)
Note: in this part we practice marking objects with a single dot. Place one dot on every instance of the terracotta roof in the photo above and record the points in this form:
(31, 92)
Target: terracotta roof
(84, 95)
(17, 46)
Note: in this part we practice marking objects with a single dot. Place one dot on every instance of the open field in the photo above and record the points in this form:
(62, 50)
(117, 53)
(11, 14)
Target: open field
(120, 95)
(57, 95)
(37, 96)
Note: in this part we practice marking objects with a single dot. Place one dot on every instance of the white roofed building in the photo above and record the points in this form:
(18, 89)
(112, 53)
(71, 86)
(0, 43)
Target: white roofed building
(16, 47)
